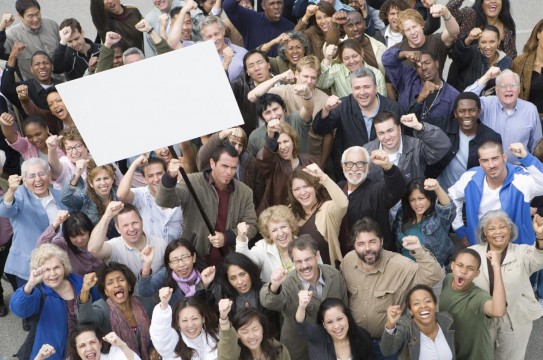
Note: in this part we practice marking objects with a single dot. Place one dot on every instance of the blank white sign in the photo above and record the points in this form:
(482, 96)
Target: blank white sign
(152, 103)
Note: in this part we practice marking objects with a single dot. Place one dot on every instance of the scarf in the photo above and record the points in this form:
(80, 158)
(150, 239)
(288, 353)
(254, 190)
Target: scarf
(139, 340)
(188, 285)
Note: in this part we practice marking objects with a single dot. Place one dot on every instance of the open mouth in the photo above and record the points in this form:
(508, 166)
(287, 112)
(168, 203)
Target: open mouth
(295, 58)
(306, 272)
(243, 288)
(119, 294)
(90, 356)
(424, 314)
(460, 281)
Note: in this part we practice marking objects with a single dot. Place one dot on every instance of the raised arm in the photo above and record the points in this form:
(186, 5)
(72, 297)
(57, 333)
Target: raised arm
(105, 59)
(124, 192)
(304, 297)
(52, 156)
(6, 123)
(174, 37)
(497, 306)
(306, 111)
(451, 26)
(98, 246)
(265, 86)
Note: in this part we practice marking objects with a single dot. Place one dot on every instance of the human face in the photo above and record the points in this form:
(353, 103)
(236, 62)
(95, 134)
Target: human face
(493, 163)
(132, 58)
(464, 269)
(208, 5)
(163, 5)
(251, 334)
(392, 17)
(216, 33)
(32, 18)
(191, 322)
(77, 42)
(224, 169)
(164, 154)
(75, 150)
(335, 323)
(413, 33)
(286, 146)
(508, 90)
(492, 8)
(239, 279)
(81, 240)
(294, 51)
(305, 262)
(389, 134)
(303, 193)
(355, 175)
(181, 261)
(428, 69)
(102, 183)
(117, 287)
(423, 307)
(280, 233)
(307, 76)
(466, 114)
(273, 9)
(36, 135)
(186, 28)
(130, 226)
(419, 203)
(488, 44)
(368, 247)
(364, 91)
(351, 59)
(355, 26)
(54, 272)
(152, 175)
(273, 112)
(41, 68)
(37, 180)
(88, 346)
(113, 6)
(57, 107)
(498, 234)
(118, 57)
(258, 68)
(323, 21)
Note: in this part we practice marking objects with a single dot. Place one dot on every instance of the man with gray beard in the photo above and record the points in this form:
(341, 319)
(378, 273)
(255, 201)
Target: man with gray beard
(367, 197)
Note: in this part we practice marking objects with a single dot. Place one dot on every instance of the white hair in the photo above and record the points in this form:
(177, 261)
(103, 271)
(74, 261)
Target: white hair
(355, 148)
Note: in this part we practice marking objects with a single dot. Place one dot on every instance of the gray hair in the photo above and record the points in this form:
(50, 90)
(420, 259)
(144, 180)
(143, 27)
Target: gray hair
(132, 51)
(294, 35)
(508, 72)
(488, 217)
(33, 161)
(47, 251)
(211, 20)
(361, 73)
(353, 149)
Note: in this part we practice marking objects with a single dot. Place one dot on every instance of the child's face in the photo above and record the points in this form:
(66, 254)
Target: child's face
(464, 269)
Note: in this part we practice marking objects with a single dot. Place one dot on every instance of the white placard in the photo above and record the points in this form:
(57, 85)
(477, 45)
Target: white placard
(152, 103)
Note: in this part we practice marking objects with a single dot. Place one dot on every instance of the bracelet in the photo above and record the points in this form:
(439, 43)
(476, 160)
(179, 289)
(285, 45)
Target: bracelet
(449, 18)
(152, 28)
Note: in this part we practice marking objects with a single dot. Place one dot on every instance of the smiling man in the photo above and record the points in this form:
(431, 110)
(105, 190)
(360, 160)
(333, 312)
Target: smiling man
(377, 278)
(281, 293)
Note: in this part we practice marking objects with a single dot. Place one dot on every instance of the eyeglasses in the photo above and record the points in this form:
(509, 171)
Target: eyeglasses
(508, 86)
(359, 164)
(301, 262)
(72, 148)
(40, 174)
(184, 259)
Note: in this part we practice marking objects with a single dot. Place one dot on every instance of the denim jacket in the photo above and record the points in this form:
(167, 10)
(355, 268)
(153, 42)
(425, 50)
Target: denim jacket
(435, 230)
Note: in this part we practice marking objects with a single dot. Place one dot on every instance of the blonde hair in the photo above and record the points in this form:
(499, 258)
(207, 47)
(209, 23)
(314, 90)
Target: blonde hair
(310, 61)
(409, 14)
(276, 213)
(47, 251)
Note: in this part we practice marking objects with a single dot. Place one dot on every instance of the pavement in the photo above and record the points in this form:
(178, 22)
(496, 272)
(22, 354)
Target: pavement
(526, 14)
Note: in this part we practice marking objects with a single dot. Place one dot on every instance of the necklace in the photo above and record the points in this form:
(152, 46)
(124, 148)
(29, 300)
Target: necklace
(425, 113)
(246, 298)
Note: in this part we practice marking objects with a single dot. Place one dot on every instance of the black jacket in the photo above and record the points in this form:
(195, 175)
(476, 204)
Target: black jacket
(72, 63)
(241, 87)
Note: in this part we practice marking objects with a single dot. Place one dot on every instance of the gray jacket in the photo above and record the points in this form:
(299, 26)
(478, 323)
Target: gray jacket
(406, 338)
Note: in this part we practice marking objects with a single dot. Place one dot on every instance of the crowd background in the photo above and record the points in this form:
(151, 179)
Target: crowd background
(526, 13)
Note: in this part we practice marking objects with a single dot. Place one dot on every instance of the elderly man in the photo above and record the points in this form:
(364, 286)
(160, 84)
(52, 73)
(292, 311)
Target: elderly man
(368, 197)
(281, 293)
(377, 278)
(226, 201)
(126, 248)
(258, 28)
(352, 116)
(515, 119)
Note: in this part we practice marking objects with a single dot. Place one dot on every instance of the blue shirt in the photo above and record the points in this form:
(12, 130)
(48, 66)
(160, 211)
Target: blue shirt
(236, 66)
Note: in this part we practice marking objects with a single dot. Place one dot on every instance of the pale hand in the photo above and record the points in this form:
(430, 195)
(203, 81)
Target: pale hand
(394, 313)
(340, 17)
(208, 275)
(493, 72)
(225, 305)
(380, 158)
(164, 19)
(173, 167)
(518, 150)
(431, 184)
(332, 102)
(330, 52)
(228, 54)
(45, 352)
(142, 159)
(242, 230)
(475, 34)
(93, 64)
(113, 339)
(65, 34)
(411, 243)
(62, 216)
(288, 76)
(7, 119)
(53, 141)
(14, 181)
(111, 39)
(304, 297)
(314, 170)
(273, 127)
(190, 5)
(302, 90)
(284, 37)
(113, 209)
(22, 92)
(148, 254)
(537, 224)
(36, 276)
(494, 257)
(143, 26)
(311, 10)
(428, 3)
(165, 294)
(413, 56)
(411, 121)
(7, 20)
(438, 10)
(216, 240)
(89, 280)
(278, 276)
(80, 166)
(17, 49)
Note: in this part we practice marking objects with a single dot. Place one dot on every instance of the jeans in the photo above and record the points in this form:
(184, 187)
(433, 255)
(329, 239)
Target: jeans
(377, 354)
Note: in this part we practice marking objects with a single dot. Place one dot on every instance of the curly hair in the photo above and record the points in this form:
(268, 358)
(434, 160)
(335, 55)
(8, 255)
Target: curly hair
(294, 35)
(277, 213)
(409, 14)
(47, 251)
(92, 172)
(401, 5)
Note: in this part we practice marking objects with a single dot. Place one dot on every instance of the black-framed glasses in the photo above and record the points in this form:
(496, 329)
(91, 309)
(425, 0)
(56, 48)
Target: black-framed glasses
(184, 259)
(359, 164)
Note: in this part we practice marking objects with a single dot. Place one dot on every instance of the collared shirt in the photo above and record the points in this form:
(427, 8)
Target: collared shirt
(522, 124)
(236, 66)
(49, 205)
(368, 120)
(392, 38)
(394, 157)
(317, 288)
(336, 77)
(131, 256)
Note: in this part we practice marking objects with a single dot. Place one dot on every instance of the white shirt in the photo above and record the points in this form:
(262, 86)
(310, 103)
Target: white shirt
(131, 257)
(435, 350)
(490, 199)
(50, 206)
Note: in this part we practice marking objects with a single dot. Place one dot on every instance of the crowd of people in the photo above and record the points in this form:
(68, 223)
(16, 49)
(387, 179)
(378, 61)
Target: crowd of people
(369, 207)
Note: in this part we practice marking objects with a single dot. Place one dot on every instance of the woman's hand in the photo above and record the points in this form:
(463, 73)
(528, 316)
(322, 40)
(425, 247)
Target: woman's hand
(315, 170)
(208, 275)
(45, 352)
(431, 185)
(62, 216)
(394, 312)
(165, 294)
(80, 166)
(36, 277)
(242, 232)
(537, 224)
(89, 280)
(225, 305)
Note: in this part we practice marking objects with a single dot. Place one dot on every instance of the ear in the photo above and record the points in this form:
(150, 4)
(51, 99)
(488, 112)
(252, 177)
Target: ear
(212, 164)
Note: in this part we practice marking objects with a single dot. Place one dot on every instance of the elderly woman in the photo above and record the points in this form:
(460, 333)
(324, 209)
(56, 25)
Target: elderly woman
(497, 232)
(292, 47)
(50, 298)
(278, 226)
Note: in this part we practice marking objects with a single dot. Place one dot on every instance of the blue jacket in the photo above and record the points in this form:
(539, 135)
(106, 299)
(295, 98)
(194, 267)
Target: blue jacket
(520, 186)
(29, 220)
(52, 326)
